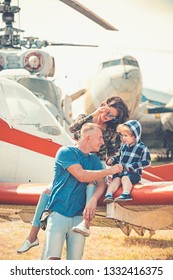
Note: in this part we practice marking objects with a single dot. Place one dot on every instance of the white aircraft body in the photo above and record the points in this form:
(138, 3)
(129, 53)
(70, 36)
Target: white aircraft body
(29, 136)
(155, 96)
(118, 77)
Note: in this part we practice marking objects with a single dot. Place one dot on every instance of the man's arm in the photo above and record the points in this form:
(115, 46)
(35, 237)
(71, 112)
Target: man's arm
(90, 208)
(83, 175)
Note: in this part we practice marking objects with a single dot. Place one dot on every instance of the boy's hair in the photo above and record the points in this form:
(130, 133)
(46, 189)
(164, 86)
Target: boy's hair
(124, 128)
(88, 127)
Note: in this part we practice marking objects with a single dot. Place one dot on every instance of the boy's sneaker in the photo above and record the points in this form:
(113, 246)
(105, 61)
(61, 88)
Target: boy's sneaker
(123, 197)
(108, 199)
(82, 229)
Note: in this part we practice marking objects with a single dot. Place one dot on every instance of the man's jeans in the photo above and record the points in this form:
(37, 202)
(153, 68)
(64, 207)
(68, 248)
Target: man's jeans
(58, 231)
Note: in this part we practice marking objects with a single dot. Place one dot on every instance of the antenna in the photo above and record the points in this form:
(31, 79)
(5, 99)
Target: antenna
(8, 38)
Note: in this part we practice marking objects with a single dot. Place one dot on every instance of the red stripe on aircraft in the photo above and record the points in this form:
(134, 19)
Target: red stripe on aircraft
(28, 141)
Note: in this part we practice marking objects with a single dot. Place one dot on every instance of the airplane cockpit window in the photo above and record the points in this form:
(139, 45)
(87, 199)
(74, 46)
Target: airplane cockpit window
(126, 60)
(110, 63)
(26, 111)
(41, 88)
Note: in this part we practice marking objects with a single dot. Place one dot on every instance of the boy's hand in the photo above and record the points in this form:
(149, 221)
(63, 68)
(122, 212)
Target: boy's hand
(109, 161)
(127, 168)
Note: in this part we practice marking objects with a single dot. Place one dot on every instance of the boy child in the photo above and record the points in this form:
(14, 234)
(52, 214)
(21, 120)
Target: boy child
(133, 155)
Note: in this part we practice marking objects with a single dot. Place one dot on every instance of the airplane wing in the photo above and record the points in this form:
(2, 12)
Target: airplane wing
(161, 172)
(150, 201)
(156, 97)
(18, 201)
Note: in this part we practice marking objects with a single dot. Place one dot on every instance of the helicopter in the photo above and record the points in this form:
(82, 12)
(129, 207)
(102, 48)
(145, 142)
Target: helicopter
(30, 135)
(24, 61)
(34, 68)
(22, 130)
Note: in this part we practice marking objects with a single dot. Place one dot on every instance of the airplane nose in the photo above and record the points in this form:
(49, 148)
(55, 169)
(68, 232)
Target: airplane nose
(129, 74)
(125, 75)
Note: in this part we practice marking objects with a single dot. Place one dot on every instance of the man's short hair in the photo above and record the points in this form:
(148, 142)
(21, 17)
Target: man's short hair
(88, 127)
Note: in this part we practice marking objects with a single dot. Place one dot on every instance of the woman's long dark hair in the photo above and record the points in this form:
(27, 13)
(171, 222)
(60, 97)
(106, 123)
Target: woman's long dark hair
(119, 104)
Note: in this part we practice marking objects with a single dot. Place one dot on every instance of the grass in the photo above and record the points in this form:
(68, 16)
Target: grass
(103, 244)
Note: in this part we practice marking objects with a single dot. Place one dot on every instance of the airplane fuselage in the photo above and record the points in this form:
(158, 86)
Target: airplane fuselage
(121, 77)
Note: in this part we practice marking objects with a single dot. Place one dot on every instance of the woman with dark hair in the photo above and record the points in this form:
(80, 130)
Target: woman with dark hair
(111, 112)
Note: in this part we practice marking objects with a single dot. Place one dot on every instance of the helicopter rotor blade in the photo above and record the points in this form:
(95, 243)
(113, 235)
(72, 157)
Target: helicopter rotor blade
(89, 14)
(71, 45)
(160, 110)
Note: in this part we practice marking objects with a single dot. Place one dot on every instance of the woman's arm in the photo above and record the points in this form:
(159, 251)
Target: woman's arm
(78, 123)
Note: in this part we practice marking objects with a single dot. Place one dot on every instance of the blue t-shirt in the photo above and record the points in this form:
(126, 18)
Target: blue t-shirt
(68, 195)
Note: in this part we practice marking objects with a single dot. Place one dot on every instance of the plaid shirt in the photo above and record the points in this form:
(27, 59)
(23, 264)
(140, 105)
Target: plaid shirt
(135, 157)
(111, 142)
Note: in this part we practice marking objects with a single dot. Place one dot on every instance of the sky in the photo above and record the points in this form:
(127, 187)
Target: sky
(145, 31)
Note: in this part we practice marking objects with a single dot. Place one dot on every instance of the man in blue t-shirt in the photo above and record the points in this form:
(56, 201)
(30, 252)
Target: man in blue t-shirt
(75, 167)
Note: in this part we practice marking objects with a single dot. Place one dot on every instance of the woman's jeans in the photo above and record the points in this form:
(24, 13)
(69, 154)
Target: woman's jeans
(39, 209)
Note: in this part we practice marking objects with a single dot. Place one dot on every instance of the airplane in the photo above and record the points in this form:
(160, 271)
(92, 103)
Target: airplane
(27, 140)
(159, 103)
(156, 97)
(122, 76)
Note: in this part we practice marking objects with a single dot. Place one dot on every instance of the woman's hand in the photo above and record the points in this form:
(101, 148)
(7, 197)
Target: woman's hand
(101, 110)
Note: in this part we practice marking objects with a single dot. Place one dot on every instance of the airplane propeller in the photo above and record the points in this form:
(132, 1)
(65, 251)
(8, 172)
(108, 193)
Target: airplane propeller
(159, 110)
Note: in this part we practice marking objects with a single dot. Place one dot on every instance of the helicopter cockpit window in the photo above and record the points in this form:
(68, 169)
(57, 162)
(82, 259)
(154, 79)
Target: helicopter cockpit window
(41, 88)
(26, 111)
